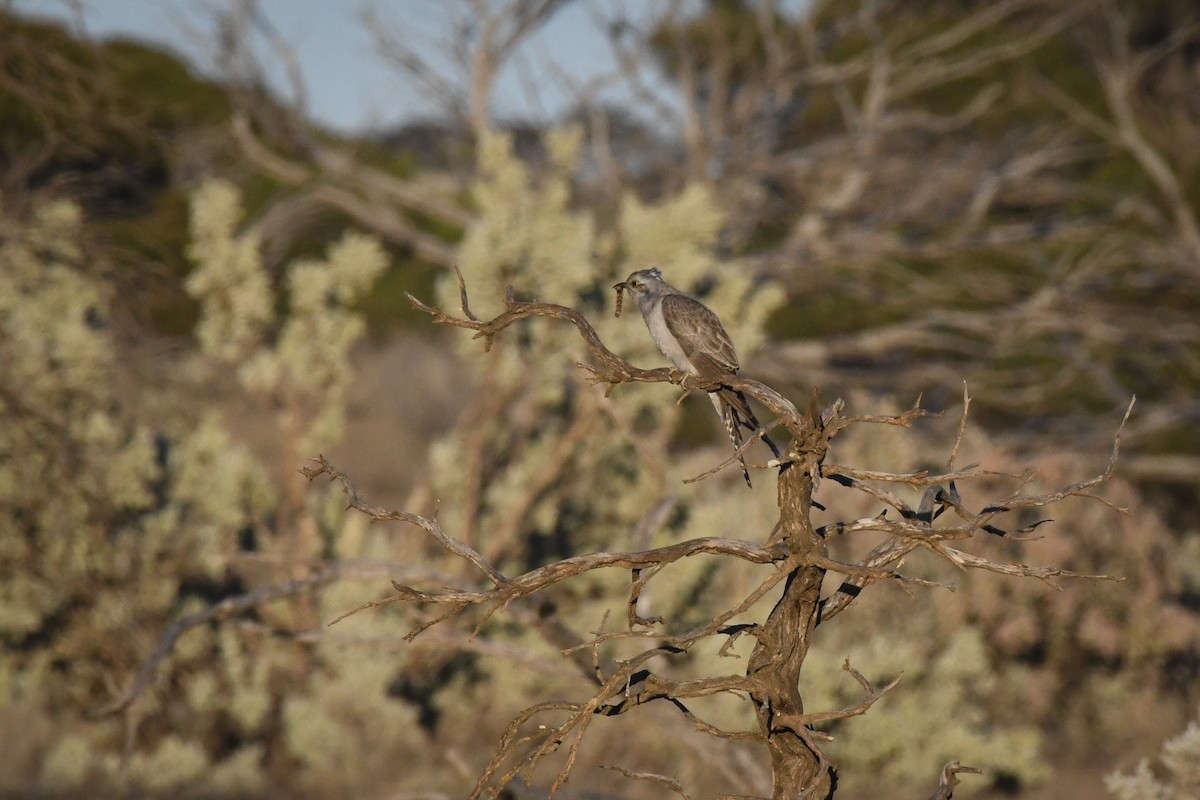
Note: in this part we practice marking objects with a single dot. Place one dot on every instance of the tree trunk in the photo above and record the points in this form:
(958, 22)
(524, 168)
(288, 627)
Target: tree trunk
(785, 638)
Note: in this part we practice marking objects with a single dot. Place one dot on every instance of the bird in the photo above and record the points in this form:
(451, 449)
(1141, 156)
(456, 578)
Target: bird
(691, 335)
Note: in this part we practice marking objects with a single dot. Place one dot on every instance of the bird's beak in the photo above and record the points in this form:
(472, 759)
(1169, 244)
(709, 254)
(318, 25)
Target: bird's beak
(619, 286)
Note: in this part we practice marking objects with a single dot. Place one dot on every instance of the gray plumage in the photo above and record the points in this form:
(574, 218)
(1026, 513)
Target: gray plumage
(693, 338)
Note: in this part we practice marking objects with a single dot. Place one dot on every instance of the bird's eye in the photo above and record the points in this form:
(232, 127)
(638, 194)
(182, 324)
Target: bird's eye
(635, 282)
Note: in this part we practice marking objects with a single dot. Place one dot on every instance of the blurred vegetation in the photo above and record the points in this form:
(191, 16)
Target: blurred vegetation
(1102, 663)
(1180, 772)
(126, 130)
(911, 170)
(144, 308)
(112, 527)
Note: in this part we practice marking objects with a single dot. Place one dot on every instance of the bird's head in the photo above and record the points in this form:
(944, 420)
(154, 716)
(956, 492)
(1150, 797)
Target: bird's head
(640, 284)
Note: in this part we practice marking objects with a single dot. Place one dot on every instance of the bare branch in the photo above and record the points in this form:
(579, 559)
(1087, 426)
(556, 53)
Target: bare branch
(320, 466)
(962, 429)
(1044, 574)
(670, 783)
(713, 626)
(871, 696)
(340, 184)
(949, 780)
(757, 434)
(507, 590)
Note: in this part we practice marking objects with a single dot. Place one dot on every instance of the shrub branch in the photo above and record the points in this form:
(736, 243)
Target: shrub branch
(795, 551)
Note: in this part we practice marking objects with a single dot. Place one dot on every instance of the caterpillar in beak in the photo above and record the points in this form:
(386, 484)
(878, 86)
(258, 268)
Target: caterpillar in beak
(620, 287)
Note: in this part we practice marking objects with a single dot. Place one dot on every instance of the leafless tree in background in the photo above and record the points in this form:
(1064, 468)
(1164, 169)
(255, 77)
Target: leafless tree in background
(323, 176)
(485, 37)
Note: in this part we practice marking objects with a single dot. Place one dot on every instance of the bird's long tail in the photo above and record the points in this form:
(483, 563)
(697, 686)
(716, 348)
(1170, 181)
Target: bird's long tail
(729, 416)
(735, 412)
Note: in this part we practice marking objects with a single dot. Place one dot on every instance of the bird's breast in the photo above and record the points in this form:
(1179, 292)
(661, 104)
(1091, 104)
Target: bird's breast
(665, 340)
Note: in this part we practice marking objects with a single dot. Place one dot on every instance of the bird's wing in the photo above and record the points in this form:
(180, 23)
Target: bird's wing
(700, 334)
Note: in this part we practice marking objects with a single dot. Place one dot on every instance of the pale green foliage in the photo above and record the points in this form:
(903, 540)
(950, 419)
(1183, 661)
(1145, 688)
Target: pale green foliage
(345, 729)
(174, 765)
(230, 279)
(1179, 778)
(55, 362)
(529, 237)
(69, 764)
(346, 733)
(306, 369)
(300, 364)
(208, 470)
(102, 521)
(55, 501)
(111, 530)
(238, 774)
(45, 309)
(936, 714)
(525, 231)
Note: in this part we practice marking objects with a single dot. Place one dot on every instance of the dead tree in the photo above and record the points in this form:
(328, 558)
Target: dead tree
(795, 553)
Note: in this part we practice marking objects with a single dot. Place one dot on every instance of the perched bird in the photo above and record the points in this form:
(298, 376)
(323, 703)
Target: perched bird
(692, 336)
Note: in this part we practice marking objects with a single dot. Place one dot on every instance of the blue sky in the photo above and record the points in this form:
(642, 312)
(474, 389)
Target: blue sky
(349, 87)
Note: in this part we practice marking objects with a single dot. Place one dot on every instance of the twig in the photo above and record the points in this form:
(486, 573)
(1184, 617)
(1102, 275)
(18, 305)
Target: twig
(320, 466)
(870, 697)
(962, 429)
(671, 784)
